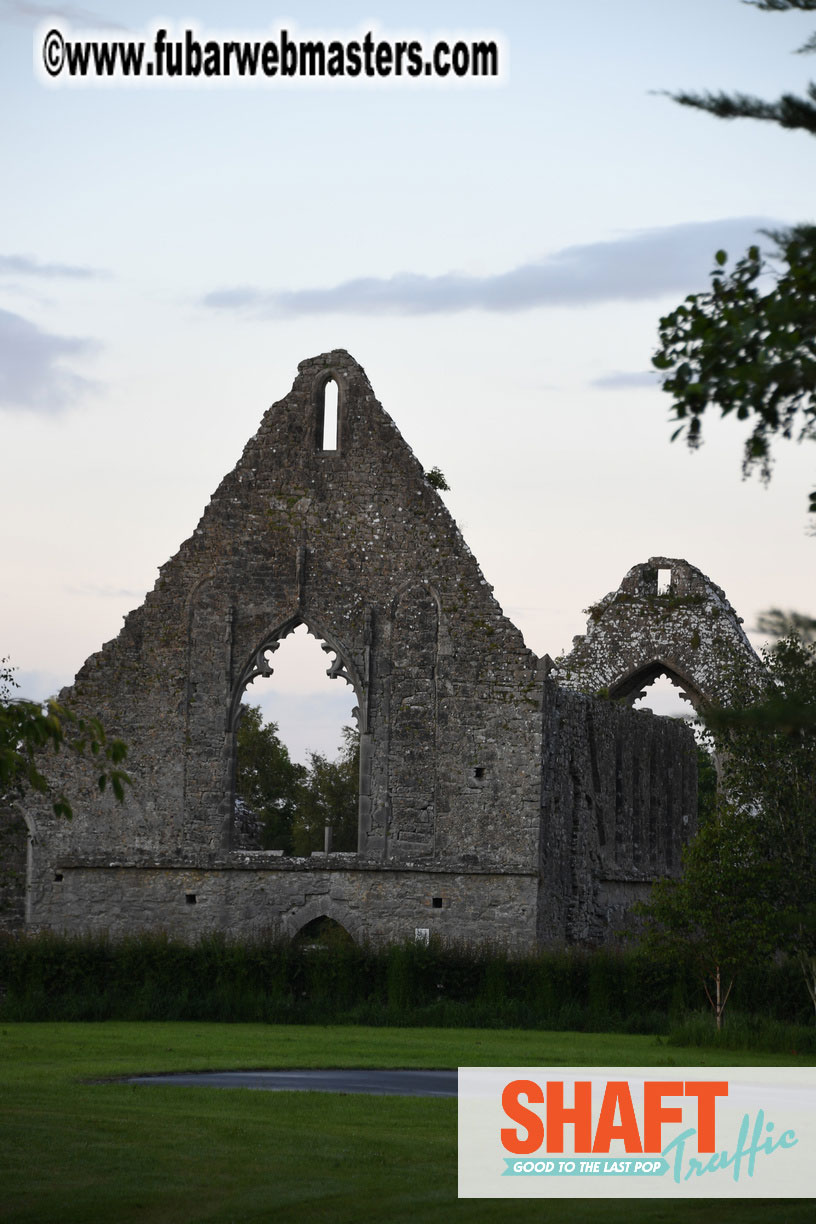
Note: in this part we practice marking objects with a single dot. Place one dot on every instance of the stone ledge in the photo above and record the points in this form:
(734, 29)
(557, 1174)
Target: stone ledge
(253, 861)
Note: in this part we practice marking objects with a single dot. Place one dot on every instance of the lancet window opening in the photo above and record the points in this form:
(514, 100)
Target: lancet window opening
(328, 416)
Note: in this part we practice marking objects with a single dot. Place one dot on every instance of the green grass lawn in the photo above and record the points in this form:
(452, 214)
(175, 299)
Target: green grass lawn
(78, 1151)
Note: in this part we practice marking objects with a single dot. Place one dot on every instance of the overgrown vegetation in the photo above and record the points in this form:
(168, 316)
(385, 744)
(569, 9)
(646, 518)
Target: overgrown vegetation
(436, 479)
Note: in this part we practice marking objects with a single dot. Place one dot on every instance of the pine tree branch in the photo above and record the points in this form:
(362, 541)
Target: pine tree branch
(789, 111)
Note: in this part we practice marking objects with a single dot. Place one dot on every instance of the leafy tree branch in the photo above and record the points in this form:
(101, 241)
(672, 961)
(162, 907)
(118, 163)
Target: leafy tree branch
(747, 344)
(28, 729)
(748, 347)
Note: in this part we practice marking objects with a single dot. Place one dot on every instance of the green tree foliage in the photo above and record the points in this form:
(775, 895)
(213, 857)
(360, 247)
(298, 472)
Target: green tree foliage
(27, 729)
(329, 798)
(747, 345)
(707, 785)
(769, 772)
(294, 804)
(266, 779)
(749, 882)
(717, 914)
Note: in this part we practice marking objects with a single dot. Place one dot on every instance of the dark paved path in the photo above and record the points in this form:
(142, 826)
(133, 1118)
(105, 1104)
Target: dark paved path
(385, 1083)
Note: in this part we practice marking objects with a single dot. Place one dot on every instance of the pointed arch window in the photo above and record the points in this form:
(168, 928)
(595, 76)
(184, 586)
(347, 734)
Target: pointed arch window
(276, 800)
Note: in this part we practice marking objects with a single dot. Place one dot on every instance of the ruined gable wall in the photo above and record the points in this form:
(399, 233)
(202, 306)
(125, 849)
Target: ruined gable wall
(634, 634)
(356, 544)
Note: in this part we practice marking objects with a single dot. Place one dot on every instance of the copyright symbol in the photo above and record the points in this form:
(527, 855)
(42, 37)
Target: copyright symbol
(53, 52)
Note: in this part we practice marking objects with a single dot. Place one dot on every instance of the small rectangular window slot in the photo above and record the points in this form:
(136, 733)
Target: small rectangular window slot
(329, 430)
(58, 876)
(190, 898)
(663, 581)
(436, 902)
(479, 771)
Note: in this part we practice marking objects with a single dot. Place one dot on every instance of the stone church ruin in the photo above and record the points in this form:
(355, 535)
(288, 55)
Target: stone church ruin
(501, 800)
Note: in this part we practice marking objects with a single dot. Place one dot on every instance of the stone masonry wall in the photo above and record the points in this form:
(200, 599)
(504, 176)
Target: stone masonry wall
(13, 863)
(251, 896)
(494, 805)
(619, 802)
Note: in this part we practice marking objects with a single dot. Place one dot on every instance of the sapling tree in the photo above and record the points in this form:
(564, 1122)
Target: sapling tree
(718, 914)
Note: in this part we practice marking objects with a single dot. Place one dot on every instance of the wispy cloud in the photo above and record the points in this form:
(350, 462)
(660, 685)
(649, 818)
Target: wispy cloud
(621, 380)
(26, 265)
(19, 12)
(634, 267)
(32, 377)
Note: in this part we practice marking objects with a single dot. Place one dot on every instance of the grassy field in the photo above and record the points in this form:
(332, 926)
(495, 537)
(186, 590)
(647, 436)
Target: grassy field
(74, 1150)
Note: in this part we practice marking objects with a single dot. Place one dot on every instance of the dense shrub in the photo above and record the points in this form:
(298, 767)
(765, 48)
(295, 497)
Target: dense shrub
(154, 977)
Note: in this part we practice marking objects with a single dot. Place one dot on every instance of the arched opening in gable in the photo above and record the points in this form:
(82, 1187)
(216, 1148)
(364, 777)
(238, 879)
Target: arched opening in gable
(296, 750)
(659, 687)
